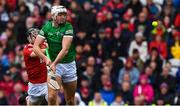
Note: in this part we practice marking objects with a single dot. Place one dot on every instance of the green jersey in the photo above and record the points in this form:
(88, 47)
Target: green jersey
(54, 36)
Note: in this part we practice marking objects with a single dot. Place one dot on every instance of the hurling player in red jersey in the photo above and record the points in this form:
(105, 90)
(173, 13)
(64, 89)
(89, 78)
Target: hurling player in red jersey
(36, 69)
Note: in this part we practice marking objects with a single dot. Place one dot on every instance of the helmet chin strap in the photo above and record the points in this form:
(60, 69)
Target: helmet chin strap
(54, 17)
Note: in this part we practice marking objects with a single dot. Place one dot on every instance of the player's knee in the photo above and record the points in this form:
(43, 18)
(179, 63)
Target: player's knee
(70, 101)
(52, 98)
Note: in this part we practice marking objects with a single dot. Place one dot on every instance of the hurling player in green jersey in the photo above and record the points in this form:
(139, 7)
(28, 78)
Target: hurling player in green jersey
(59, 36)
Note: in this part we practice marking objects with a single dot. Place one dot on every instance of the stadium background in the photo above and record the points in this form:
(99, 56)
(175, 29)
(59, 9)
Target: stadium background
(117, 48)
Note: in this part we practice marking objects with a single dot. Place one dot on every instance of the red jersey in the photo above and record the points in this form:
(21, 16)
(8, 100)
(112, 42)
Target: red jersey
(36, 67)
(161, 46)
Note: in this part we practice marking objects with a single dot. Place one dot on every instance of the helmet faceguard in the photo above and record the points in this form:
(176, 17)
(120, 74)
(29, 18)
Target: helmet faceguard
(32, 33)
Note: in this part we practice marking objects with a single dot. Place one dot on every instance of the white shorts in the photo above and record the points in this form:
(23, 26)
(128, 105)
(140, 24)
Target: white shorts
(67, 71)
(37, 92)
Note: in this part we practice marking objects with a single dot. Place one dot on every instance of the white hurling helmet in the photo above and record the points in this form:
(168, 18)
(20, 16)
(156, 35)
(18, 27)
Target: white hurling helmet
(55, 10)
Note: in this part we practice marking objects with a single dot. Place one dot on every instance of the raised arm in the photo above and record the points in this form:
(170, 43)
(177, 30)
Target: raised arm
(36, 47)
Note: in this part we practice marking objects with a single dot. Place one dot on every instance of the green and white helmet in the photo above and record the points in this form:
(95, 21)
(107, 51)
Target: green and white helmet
(55, 10)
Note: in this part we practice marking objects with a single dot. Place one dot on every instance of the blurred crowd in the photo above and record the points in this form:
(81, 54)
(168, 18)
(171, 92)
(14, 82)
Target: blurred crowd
(122, 58)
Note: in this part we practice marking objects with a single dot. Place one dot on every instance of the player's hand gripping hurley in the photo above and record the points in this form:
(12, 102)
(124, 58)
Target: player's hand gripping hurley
(52, 81)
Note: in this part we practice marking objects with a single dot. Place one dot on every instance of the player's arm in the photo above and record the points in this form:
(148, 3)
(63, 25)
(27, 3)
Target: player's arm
(36, 47)
(34, 55)
(66, 43)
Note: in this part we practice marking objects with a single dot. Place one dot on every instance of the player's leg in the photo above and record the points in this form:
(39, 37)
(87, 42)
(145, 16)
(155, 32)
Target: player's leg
(69, 92)
(52, 91)
(36, 93)
(69, 82)
(33, 100)
(52, 94)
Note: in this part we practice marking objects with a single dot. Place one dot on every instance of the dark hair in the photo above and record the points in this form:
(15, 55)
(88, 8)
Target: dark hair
(154, 49)
(135, 51)
(119, 94)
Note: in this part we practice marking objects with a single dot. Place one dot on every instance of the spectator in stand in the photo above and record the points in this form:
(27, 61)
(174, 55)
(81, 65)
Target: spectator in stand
(20, 28)
(7, 84)
(4, 18)
(129, 68)
(127, 29)
(144, 91)
(23, 11)
(84, 90)
(163, 97)
(167, 23)
(160, 44)
(169, 9)
(47, 17)
(165, 77)
(86, 20)
(97, 100)
(154, 9)
(118, 100)
(127, 93)
(100, 19)
(175, 48)
(136, 6)
(4, 42)
(107, 93)
(14, 97)
(108, 40)
(142, 21)
(19, 56)
(116, 6)
(137, 61)
(88, 51)
(148, 70)
(44, 7)
(126, 78)
(38, 20)
(3, 59)
(140, 45)
(3, 99)
(89, 72)
(80, 58)
(78, 100)
(15, 74)
(155, 57)
(24, 81)
(109, 20)
(117, 41)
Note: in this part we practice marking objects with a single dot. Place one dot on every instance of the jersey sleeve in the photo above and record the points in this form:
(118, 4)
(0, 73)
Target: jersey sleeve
(42, 32)
(27, 51)
(69, 30)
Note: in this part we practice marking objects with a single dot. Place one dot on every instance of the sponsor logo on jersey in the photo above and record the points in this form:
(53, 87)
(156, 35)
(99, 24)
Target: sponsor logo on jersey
(69, 32)
(49, 33)
(59, 33)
